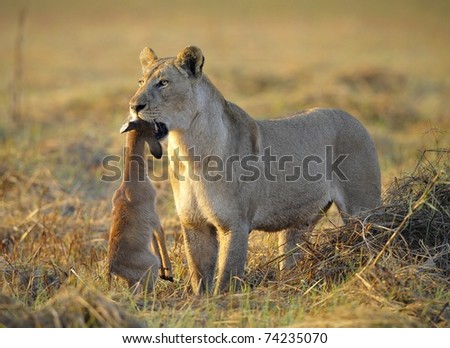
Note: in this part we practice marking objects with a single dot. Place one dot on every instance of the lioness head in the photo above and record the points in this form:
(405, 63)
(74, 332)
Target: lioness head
(167, 89)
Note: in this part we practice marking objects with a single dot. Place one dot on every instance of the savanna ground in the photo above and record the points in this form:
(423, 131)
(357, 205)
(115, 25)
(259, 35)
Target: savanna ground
(386, 62)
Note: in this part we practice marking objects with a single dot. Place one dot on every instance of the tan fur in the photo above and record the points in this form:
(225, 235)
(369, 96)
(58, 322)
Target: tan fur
(217, 217)
(133, 221)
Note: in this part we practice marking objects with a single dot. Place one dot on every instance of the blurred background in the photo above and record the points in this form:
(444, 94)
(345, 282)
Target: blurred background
(387, 62)
(69, 68)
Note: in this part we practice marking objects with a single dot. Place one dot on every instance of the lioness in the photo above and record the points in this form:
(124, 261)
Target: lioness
(218, 215)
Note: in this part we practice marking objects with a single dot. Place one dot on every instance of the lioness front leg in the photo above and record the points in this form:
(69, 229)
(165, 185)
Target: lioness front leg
(233, 247)
(201, 251)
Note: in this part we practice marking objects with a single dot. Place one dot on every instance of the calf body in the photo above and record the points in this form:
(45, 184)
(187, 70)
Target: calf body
(134, 222)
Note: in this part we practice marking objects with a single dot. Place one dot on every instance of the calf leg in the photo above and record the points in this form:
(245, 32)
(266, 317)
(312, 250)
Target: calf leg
(160, 249)
(141, 277)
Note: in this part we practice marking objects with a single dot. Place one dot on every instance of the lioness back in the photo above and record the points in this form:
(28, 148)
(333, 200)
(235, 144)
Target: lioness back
(315, 139)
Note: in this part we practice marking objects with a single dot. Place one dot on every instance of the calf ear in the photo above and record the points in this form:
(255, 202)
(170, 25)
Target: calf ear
(128, 126)
(147, 57)
(191, 60)
(155, 147)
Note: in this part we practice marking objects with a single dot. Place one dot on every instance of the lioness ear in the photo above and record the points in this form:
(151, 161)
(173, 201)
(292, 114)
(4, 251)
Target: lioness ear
(155, 147)
(191, 60)
(147, 57)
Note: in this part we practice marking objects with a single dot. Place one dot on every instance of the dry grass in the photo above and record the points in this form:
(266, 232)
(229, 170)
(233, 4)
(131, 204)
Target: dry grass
(399, 256)
(391, 269)
(386, 63)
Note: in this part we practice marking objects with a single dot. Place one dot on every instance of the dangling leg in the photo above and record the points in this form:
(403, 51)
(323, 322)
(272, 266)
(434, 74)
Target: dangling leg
(160, 249)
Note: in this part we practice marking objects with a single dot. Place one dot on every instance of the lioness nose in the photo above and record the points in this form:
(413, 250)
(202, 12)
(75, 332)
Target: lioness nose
(137, 107)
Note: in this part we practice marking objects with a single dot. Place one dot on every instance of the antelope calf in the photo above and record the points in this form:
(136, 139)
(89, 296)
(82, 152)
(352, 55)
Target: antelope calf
(133, 217)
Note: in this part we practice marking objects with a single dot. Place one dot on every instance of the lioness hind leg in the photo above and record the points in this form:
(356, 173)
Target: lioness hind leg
(201, 250)
(289, 240)
(287, 248)
(361, 189)
(355, 199)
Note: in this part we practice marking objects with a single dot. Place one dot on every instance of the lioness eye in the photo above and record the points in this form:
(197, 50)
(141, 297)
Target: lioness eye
(141, 83)
(162, 83)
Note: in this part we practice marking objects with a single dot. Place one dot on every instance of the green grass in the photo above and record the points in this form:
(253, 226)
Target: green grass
(385, 62)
